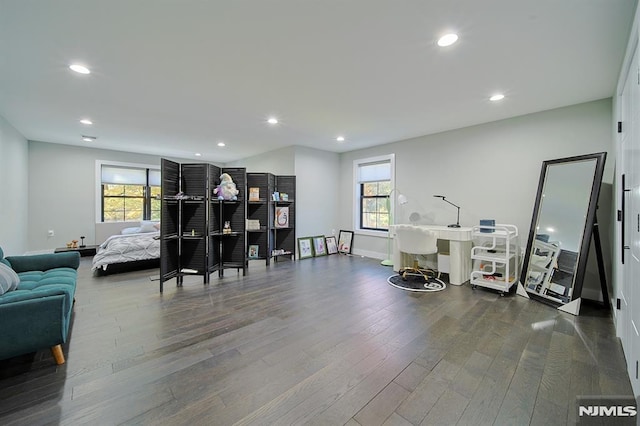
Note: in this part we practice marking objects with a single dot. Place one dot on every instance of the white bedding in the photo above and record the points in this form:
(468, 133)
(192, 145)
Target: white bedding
(127, 248)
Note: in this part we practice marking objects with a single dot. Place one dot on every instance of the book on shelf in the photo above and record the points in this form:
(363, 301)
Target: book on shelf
(253, 251)
(282, 217)
(253, 224)
(254, 194)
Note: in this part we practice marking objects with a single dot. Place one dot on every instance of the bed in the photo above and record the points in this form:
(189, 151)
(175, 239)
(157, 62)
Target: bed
(133, 248)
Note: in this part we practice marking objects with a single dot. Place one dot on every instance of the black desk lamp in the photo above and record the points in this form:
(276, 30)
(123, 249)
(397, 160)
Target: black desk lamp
(457, 224)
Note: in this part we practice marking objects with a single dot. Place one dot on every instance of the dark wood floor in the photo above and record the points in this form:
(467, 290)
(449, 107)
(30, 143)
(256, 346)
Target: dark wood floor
(322, 341)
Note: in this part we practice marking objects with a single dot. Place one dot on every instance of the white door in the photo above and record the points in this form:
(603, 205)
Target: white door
(631, 267)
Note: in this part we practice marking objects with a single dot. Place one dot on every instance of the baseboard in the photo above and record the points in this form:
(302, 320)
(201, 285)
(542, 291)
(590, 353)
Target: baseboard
(370, 254)
(45, 251)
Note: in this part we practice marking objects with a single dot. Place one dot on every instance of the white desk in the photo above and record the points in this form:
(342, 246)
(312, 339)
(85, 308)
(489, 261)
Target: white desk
(459, 251)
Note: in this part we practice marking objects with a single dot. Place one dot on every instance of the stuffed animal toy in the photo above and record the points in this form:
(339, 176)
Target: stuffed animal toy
(227, 189)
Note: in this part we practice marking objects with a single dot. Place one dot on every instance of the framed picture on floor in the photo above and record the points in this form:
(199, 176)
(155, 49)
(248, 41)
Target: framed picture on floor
(319, 246)
(305, 249)
(332, 245)
(345, 239)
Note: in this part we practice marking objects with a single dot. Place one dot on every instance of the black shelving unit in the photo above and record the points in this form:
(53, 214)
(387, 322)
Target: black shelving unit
(192, 219)
(228, 248)
(284, 238)
(183, 236)
(169, 222)
(260, 210)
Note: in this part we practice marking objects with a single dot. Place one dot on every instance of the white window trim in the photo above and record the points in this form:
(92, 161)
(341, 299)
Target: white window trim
(391, 158)
(98, 180)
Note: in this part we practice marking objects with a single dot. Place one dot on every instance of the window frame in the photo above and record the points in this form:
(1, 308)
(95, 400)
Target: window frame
(357, 204)
(146, 214)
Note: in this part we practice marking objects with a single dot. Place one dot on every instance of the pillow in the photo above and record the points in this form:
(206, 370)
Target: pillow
(8, 279)
(147, 226)
(128, 231)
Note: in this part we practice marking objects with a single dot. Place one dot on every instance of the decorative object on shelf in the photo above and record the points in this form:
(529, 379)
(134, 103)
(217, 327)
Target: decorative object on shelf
(227, 227)
(254, 194)
(305, 247)
(275, 196)
(284, 197)
(457, 224)
(332, 245)
(402, 200)
(226, 190)
(319, 246)
(345, 240)
(74, 243)
(253, 251)
(82, 242)
(69, 245)
(253, 225)
(282, 217)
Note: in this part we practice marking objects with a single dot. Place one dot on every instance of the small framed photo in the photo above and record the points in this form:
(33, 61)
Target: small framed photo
(345, 239)
(319, 246)
(332, 245)
(305, 249)
(253, 251)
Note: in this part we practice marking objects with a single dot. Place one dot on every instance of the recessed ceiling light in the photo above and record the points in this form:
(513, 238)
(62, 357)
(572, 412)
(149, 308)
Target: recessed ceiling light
(272, 120)
(447, 40)
(79, 69)
(497, 97)
(86, 121)
(89, 138)
(222, 144)
(197, 154)
(340, 138)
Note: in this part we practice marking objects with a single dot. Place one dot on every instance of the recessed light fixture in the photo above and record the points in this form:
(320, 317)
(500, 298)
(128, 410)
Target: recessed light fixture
(272, 120)
(497, 97)
(86, 121)
(447, 40)
(197, 154)
(222, 144)
(81, 69)
(340, 138)
(89, 138)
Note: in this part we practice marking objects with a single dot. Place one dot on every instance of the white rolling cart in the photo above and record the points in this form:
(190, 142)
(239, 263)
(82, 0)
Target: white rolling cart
(495, 257)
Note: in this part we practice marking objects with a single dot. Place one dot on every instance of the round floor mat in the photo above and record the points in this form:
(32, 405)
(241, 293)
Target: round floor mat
(416, 283)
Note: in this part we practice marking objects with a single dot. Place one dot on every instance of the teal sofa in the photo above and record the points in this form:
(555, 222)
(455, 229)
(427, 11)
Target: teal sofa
(37, 314)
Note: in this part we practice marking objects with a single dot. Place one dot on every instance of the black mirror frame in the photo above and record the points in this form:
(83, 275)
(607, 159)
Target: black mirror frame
(600, 158)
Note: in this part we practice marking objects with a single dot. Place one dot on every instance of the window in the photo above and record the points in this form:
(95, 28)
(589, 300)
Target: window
(373, 187)
(129, 193)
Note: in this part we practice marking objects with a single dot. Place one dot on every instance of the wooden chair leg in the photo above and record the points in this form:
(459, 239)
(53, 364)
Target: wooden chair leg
(56, 351)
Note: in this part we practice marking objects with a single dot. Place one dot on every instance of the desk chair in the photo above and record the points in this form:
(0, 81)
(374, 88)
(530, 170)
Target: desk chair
(416, 241)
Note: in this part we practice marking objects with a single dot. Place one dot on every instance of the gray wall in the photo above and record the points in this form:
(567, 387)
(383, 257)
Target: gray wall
(62, 191)
(317, 185)
(278, 162)
(14, 201)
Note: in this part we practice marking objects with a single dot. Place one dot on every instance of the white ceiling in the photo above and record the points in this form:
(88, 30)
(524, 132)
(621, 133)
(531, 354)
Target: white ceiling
(174, 77)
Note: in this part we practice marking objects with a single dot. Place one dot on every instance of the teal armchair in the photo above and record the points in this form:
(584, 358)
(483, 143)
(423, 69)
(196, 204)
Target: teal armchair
(37, 314)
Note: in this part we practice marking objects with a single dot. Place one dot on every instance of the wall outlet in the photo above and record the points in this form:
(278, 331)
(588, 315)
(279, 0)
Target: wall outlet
(50, 233)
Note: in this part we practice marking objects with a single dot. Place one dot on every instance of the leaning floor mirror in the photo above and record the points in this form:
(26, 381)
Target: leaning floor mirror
(561, 230)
